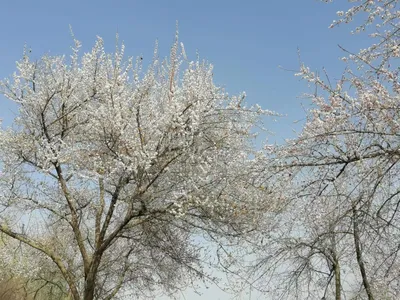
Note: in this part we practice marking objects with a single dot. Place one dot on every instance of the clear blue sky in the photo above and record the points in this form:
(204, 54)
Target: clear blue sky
(246, 41)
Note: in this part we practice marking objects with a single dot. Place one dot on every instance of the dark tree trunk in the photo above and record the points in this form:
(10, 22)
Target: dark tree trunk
(90, 279)
(360, 261)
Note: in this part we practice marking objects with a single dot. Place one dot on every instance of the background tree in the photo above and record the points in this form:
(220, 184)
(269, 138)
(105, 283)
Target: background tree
(338, 236)
(26, 274)
(128, 171)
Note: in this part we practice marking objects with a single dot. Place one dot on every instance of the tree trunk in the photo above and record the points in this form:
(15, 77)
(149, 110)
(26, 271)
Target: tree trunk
(90, 280)
(336, 267)
(360, 261)
(338, 285)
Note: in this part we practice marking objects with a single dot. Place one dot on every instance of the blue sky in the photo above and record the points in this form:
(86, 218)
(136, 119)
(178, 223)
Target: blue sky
(246, 41)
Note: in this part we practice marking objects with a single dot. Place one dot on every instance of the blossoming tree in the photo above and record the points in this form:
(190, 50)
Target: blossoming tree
(126, 170)
(338, 236)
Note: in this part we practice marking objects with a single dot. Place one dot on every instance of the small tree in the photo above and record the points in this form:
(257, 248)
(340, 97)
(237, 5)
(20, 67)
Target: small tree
(127, 170)
(26, 274)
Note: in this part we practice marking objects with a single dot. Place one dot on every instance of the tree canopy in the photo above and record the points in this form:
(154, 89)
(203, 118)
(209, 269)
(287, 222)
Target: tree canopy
(125, 170)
